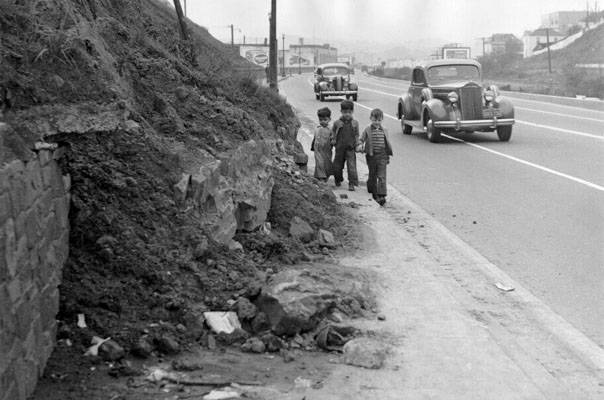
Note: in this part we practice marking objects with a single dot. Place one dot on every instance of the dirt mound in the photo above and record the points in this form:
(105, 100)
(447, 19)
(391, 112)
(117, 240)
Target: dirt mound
(136, 108)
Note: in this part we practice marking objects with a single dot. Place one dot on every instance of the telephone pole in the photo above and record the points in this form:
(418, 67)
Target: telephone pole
(283, 53)
(232, 36)
(272, 56)
(181, 21)
(549, 55)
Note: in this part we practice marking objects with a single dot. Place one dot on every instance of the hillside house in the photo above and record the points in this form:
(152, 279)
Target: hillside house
(537, 40)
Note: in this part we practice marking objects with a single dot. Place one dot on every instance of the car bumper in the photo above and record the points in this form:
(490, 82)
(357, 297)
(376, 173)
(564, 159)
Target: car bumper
(337, 92)
(479, 123)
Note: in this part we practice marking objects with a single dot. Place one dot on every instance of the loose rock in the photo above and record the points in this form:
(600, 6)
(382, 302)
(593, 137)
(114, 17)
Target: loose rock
(301, 230)
(253, 345)
(365, 352)
(111, 351)
(167, 344)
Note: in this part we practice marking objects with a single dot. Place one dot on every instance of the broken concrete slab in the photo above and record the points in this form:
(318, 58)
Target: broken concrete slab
(222, 321)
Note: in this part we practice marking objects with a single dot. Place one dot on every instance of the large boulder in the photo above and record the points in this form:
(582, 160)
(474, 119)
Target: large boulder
(295, 301)
(301, 230)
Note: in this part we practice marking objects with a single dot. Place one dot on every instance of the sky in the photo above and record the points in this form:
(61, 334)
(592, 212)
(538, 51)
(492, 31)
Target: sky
(378, 21)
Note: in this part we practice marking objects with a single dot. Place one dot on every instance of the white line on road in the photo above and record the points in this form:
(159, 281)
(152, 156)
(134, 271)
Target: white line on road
(519, 160)
(559, 114)
(553, 128)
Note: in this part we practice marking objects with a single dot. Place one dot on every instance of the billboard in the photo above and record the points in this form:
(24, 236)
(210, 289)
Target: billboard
(255, 54)
(302, 57)
(455, 52)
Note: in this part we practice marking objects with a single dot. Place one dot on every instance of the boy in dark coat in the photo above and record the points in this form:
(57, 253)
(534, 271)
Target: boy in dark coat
(345, 136)
(376, 145)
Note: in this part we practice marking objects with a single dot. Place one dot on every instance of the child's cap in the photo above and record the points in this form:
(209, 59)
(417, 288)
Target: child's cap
(324, 112)
(346, 105)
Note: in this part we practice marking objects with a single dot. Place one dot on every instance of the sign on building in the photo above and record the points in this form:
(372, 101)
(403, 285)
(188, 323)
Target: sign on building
(257, 54)
(455, 52)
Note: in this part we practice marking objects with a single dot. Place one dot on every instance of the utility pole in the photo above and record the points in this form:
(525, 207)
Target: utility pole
(299, 60)
(283, 53)
(185, 8)
(483, 45)
(232, 36)
(549, 55)
(183, 27)
(272, 59)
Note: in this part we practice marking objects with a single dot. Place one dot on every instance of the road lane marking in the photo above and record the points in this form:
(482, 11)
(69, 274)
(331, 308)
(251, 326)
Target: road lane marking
(518, 160)
(369, 108)
(553, 128)
(560, 115)
(511, 94)
(530, 164)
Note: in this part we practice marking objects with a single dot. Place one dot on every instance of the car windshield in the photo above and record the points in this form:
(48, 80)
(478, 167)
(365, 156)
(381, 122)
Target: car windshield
(335, 70)
(452, 73)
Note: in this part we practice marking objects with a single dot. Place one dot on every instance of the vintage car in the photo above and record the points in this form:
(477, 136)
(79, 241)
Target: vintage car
(335, 80)
(447, 96)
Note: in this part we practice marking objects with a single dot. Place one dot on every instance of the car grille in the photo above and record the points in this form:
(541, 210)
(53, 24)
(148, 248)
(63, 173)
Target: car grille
(470, 99)
(337, 83)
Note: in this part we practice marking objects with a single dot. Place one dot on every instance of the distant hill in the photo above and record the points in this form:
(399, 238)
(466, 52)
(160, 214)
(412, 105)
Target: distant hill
(566, 79)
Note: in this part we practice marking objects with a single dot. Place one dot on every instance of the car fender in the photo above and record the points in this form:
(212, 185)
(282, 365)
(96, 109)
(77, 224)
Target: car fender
(436, 107)
(353, 86)
(506, 107)
(404, 107)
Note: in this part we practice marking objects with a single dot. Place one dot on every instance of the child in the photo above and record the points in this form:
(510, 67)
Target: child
(344, 136)
(378, 149)
(321, 145)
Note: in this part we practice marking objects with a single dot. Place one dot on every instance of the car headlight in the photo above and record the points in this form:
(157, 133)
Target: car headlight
(453, 97)
(489, 95)
(323, 85)
(494, 89)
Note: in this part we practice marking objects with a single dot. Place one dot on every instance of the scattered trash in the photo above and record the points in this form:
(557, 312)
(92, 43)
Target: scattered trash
(222, 321)
(222, 394)
(381, 317)
(82, 321)
(503, 287)
(158, 374)
(302, 383)
(96, 343)
(265, 228)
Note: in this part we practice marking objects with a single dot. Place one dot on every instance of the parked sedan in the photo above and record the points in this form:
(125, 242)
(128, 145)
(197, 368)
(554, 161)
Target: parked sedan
(447, 96)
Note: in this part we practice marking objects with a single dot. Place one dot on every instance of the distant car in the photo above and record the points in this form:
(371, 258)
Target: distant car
(447, 96)
(335, 80)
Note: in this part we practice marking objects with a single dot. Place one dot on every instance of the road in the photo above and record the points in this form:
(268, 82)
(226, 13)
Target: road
(533, 206)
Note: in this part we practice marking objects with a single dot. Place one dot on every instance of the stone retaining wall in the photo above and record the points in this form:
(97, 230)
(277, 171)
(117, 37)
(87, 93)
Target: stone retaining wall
(34, 243)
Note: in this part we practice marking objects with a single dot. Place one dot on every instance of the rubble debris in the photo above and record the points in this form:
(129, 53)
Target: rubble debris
(326, 238)
(157, 375)
(302, 383)
(109, 350)
(301, 230)
(222, 394)
(253, 345)
(143, 347)
(222, 321)
(381, 317)
(245, 309)
(81, 321)
(96, 343)
(365, 352)
(167, 344)
(503, 287)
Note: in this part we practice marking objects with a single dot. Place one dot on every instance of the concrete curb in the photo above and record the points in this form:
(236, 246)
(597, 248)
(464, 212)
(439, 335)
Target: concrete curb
(564, 333)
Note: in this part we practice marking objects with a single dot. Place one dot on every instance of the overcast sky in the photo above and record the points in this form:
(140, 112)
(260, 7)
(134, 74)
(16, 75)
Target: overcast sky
(384, 21)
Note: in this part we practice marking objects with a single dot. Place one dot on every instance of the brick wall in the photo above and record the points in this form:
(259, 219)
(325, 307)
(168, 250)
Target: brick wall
(34, 243)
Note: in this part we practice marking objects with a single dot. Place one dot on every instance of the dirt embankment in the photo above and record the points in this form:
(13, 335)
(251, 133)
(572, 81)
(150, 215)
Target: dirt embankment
(154, 128)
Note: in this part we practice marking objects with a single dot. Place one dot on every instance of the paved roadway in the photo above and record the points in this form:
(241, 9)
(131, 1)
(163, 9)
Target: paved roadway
(533, 206)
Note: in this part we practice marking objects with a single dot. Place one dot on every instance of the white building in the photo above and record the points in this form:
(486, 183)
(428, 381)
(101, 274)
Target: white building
(537, 40)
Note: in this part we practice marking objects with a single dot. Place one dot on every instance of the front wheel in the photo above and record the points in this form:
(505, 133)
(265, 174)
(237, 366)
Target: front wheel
(504, 133)
(317, 96)
(321, 97)
(354, 97)
(432, 132)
